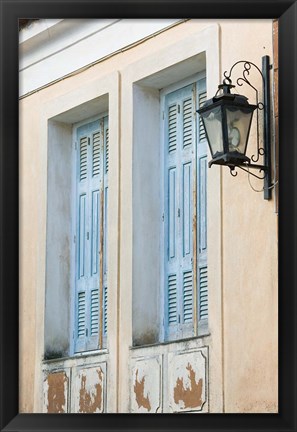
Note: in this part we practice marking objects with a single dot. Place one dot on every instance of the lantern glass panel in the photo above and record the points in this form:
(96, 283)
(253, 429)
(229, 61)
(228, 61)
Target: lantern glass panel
(238, 124)
(212, 121)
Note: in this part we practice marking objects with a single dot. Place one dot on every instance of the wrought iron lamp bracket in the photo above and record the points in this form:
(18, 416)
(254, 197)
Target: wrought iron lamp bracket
(265, 106)
(259, 167)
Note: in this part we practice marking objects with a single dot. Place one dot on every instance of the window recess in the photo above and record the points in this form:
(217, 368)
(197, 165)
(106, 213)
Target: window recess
(91, 293)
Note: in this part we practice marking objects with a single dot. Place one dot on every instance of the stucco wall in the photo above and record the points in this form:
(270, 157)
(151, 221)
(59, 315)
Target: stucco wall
(242, 227)
(249, 259)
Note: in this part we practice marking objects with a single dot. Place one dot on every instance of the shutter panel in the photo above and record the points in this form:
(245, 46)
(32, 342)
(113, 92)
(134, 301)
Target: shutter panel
(105, 287)
(82, 235)
(202, 213)
(171, 212)
(179, 140)
(89, 189)
(202, 204)
(95, 232)
(187, 209)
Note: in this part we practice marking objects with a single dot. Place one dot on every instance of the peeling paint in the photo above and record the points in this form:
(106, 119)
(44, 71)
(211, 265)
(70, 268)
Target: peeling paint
(90, 402)
(190, 396)
(56, 392)
(146, 385)
(141, 400)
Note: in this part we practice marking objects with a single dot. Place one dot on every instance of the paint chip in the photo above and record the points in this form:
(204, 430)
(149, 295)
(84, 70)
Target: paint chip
(90, 402)
(190, 396)
(141, 400)
(56, 392)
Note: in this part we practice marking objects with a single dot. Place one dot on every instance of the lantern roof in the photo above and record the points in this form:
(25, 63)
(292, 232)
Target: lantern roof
(227, 98)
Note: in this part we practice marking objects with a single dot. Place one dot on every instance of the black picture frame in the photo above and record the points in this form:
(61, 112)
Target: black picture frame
(11, 11)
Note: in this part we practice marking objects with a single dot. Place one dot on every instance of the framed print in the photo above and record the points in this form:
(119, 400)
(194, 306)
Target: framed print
(148, 189)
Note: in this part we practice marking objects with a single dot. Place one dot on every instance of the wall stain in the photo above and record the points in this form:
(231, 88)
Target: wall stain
(89, 403)
(56, 392)
(146, 338)
(190, 396)
(139, 393)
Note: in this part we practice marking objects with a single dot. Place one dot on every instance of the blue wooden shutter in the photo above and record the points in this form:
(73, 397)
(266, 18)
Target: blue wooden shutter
(105, 228)
(202, 211)
(82, 255)
(95, 191)
(89, 199)
(179, 142)
(171, 216)
(187, 153)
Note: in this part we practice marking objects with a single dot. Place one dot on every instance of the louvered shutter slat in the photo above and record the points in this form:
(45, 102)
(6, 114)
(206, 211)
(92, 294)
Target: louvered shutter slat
(106, 150)
(96, 159)
(81, 312)
(172, 128)
(203, 293)
(83, 158)
(94, 312)
(201, 101)
(105, 311)
(172, 299)
(187, 122)
(188, 296)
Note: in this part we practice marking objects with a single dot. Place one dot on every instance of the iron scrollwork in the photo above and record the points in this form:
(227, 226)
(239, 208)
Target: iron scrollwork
(260, 105)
